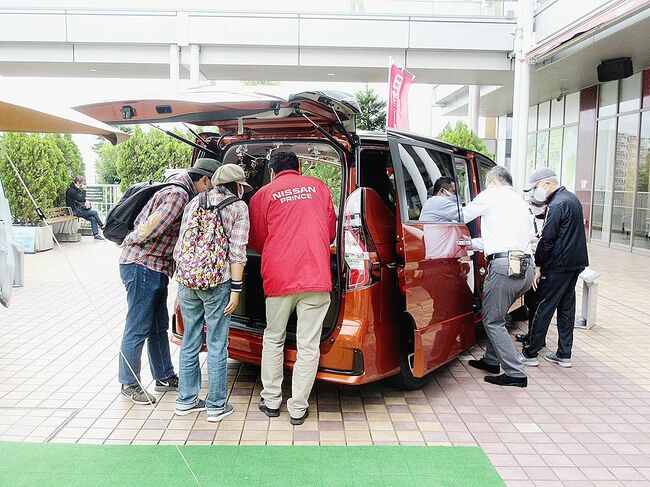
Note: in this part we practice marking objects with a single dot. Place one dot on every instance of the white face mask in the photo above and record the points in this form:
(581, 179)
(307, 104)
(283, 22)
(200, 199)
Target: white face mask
(539, 193)
(537, 210)
(240, 191)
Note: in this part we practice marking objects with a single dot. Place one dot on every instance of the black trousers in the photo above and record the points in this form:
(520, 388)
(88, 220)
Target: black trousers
(555, 292)
(530, 301)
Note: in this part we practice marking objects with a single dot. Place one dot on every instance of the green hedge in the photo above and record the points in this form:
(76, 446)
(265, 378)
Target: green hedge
(46, 163)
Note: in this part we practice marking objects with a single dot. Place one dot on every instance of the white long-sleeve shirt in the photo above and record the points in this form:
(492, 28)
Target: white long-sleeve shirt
(505, 219)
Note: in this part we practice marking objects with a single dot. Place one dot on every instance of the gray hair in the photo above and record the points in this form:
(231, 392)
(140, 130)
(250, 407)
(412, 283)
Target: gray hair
(500, 174)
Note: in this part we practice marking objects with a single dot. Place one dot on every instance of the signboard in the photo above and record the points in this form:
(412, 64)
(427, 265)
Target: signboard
(399, 83)
(25, 237)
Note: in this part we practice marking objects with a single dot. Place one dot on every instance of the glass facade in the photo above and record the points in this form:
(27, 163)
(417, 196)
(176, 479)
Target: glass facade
(642, 203)
(603, 174)
(620, 209)
(553, 138)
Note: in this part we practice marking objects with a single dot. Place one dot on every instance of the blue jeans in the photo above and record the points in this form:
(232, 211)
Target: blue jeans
(93, 217)
(199, 307)
(146, 319)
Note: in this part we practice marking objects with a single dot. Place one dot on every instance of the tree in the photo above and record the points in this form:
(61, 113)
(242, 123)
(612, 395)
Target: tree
(146, 155)
(73, 163)
(373, 110)
(462, 136)
(106, 164)
(330, 175)
(107, 155)
(42, 165)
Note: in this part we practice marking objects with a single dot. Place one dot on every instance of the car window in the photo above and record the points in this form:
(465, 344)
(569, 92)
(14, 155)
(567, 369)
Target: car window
(376, 173)
(483, 167)
(421, 167)
(328, 173)
(463, 188)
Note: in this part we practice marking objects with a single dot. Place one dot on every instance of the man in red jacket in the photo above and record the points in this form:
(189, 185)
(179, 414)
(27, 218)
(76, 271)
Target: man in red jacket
(292, 226)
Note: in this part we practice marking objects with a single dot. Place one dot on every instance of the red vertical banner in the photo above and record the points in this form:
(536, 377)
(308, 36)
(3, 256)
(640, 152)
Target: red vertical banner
(399, 83)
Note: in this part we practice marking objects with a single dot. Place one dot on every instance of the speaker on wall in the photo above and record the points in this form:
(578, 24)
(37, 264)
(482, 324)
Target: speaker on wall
(612, 69)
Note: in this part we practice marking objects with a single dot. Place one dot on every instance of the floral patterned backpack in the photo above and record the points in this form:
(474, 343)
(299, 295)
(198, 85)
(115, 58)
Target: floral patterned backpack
(204, 246)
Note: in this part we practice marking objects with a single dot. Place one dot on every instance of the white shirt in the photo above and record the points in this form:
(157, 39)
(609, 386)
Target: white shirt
(505, 219)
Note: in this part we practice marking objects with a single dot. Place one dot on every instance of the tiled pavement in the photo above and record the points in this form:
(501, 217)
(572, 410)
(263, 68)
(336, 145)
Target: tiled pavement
(589, 425)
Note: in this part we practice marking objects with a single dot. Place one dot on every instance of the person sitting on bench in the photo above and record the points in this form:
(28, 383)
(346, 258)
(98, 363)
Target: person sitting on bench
(75, 198)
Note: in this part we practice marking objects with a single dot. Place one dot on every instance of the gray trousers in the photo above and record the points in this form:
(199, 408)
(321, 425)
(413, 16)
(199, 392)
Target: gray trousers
(499, 292)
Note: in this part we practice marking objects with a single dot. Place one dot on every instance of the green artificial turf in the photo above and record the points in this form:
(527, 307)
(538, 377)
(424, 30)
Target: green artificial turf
(44, 465)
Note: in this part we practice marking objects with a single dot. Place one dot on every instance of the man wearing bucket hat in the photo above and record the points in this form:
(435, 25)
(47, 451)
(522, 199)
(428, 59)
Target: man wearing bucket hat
(146, 265)
(210, 256)
(560, 257)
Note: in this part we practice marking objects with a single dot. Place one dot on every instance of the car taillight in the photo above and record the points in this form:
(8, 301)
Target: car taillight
(361, 256)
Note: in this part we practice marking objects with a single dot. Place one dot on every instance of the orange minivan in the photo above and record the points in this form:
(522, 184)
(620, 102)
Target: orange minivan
(406, 293)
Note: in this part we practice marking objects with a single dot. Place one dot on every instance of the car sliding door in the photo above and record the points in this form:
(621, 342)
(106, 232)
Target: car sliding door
(437, 268)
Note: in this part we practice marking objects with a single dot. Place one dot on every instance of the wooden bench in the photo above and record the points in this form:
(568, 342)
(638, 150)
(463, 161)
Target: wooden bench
(65, 225)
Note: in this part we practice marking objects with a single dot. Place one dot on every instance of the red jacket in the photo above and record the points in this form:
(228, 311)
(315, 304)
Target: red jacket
(292, 225)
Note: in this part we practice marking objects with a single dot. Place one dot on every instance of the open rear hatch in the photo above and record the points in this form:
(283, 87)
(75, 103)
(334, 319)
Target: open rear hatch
(229, 110)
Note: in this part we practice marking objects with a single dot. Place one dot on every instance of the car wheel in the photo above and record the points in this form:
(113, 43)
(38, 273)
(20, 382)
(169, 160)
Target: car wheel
(405, 379)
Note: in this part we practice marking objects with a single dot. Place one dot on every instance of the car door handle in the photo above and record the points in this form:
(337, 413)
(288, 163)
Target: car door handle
(464, 243)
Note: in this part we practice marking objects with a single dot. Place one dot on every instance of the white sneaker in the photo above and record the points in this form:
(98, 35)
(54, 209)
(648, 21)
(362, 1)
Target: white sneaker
(562, 362)
(530, 362)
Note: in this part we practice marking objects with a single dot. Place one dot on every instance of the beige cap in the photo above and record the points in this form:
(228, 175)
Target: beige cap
(231, 173)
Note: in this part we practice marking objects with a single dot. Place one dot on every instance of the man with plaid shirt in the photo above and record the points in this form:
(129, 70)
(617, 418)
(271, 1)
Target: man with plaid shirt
(146, 264)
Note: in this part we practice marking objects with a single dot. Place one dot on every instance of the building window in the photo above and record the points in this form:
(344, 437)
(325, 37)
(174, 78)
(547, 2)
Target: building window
(555, 151)
(542, 149)
(607, 99)
(531, 151)
(642, 200)
(603, 176)
(557, 113)
(569, 156)
(630, 94)
(627, 148)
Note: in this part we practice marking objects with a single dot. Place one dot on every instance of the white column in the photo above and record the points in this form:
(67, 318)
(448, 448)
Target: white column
(174, 65)
(473, 107)
(195, 63)
(521, 94)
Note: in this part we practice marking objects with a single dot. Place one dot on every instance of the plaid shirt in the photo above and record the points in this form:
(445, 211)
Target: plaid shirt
(235, 225)
(153, 247)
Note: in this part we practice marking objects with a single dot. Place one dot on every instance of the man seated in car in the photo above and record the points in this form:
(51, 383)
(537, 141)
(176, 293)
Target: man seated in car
(442, 203)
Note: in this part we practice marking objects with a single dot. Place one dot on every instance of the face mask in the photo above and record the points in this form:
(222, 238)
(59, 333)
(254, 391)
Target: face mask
(538, 211)
(539, 193)
(451, 196)
(240, 191)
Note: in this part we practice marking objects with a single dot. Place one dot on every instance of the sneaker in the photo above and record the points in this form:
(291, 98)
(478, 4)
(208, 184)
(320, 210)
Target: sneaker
(529, 361)
(215, 415)
(184, 410)
(562, 362)
(506, 380)
(170, 384)
(137, 394)
(271, 413)
(99, 237)
(300, 420)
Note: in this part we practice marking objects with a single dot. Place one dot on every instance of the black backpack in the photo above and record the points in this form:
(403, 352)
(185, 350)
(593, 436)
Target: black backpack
(120, 220)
